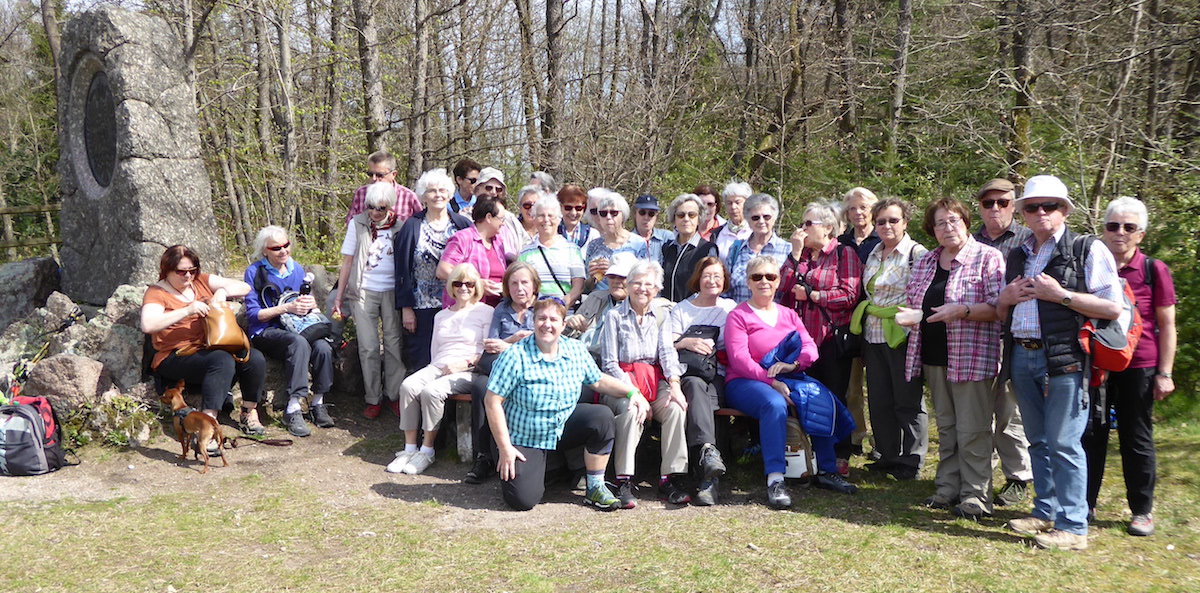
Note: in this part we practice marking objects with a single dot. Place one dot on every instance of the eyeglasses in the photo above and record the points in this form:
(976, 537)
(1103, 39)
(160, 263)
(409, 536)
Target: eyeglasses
(189, 272)
(711, 205)
(1130, 228)
(948, 223)
(987, 204)
(687, 215)
(1047, 207)
(760, 277)
(647, 212)
(809, 223)
(378, 208)
(762, 217)
(886, 221)
(280, 247)
(606, 213)
(378, 175)
(462, 284)
(574, 208)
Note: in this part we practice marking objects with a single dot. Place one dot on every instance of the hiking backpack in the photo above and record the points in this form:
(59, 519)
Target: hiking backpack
(30, 437)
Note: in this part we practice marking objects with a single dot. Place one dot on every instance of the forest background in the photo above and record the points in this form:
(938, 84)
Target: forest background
(804, 99)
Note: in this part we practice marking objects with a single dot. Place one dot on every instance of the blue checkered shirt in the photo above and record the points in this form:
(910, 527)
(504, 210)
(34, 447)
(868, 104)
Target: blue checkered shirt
(1100, 273)
(739, 285)
(539, 393)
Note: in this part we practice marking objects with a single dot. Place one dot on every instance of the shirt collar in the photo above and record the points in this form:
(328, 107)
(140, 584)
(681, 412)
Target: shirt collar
(289, 267)
(1137, 261)
(563, 351)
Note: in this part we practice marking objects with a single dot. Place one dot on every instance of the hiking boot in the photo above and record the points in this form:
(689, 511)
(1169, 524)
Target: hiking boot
(834, 482)
(625, 494)
(706, 494)
(372, 411)
(418, 463)
(320, 415)
(672, 493)
(481, 470)
(711, 464)
(1057, 539)
(970, 510)
(1141, 525)
(1030, 525)
(296, 425)
(1013, 492)
(601, 498)
(398, 464)
(937, 501)
(778, 496)
(248, 422)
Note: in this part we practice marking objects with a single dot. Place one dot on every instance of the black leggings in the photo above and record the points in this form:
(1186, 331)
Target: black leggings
(589, 426)
(215, 371)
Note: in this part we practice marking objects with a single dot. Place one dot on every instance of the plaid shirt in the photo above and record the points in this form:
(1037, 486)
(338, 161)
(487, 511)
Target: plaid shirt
(973, 347)
(540, 393)
(836, 274)
(739, 284)
(407, 203)
(1100, 273)
(889, 288)
(1009, 239)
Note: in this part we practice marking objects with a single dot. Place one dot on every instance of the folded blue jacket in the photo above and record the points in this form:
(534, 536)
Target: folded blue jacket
(821, 413)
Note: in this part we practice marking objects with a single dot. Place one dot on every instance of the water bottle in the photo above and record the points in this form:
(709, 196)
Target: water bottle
(306, 286)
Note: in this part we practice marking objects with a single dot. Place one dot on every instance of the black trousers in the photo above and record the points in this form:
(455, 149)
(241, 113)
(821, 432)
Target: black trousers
(590, 426)
(215, 371)
(417, 344)
(1131, 392)
(834, 373)
(703, 399)
(299, 357)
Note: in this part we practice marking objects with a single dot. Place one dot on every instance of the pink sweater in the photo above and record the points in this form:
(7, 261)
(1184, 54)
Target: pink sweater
(748, 338)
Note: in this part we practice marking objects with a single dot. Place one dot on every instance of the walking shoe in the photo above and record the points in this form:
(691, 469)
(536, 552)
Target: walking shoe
(481, 470)
(843, 468)
(706, 494)
(834, 482)
(394, 406)
(970, 510)
(418, 463)
(625, 494)
(601, 498)
(320, 415)
(401, 460)
(778, 496)
(1091, 516)
(1013, 492)
(711, 464)
(881, 467)
(372, 411)
(296, 425)
(903, 473)
(1057, 539)
(1030, 525)
(213, 448)
(249, 423)
(1141, 525)
(937, 501)
(672, 493)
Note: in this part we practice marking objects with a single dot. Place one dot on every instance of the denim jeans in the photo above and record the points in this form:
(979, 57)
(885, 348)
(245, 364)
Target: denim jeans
(1054, 410)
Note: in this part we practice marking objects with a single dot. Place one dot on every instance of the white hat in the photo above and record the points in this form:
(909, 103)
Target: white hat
(621, 264)
(1046, 186)
(488, 173)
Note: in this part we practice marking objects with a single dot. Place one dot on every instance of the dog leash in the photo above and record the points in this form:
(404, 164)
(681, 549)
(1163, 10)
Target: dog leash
(262, 441)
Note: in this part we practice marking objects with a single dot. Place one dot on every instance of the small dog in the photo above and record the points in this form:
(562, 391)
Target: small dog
(190, 421)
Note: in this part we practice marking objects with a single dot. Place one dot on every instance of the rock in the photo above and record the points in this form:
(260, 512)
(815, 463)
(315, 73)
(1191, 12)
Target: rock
(71, 382)
(25, 286)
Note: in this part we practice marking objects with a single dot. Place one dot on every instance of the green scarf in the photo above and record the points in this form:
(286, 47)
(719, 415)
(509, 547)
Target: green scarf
(893, 333)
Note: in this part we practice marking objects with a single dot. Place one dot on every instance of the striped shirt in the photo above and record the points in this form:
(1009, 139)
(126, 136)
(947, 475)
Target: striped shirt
(739, 284)
(888, 289)
(561, 260)
(973, 347)
(628, 340)
(539, 392)
(1100, 272)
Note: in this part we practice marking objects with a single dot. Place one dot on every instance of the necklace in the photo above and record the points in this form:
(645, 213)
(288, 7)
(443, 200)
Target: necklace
(183, 297)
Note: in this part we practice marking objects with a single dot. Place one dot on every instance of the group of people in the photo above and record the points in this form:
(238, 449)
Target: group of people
(573, 332)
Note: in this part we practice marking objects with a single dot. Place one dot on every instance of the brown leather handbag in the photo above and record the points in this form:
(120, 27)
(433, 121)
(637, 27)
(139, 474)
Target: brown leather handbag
(222, 332)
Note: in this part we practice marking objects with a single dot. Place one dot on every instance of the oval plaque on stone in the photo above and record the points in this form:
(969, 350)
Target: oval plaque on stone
(100, 129)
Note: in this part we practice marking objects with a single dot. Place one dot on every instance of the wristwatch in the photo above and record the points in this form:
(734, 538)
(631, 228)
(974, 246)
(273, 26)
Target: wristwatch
(1066, 301)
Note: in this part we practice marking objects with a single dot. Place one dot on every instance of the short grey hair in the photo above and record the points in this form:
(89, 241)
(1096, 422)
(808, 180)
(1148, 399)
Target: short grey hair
(857, 192)
(827, 214)
(259, 247)
(433, 179)
(680, 200)
(737, 188)
(545, 180)
(758, 201)
(647, 270)
(762, 261)
(381, 193)
(530, 189)
(1128, 205)
(614, 200)
(545, 203)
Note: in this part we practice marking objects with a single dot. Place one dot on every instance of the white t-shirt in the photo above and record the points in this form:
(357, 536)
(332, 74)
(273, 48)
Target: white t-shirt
(379, 273)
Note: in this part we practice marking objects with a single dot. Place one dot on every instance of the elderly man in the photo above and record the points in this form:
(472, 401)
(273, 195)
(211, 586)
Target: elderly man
(381, 166)
(466, 174)
(999, 230)
(644, 220)
(1044, 304)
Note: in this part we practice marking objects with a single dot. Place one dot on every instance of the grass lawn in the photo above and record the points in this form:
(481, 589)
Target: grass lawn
(252, 534)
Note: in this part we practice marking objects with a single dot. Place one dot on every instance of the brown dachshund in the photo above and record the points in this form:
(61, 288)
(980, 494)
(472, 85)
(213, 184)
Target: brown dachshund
(190, 421)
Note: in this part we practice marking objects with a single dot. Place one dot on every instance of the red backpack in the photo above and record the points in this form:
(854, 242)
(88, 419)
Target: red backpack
(1108, 342)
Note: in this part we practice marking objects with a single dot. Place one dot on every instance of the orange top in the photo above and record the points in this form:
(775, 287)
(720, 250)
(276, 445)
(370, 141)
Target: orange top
(189, 330)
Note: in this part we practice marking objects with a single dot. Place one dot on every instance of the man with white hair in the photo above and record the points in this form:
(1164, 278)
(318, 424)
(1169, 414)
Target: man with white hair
(1043, 307)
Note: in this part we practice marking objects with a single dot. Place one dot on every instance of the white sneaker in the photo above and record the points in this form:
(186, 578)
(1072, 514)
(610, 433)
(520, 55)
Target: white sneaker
(418, 463)
(397, 465)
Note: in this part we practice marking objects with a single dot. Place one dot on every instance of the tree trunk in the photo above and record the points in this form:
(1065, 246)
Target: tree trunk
(848, 112)
(529, 83)
(264, 58)
(50, 10)
(374, 120)
(900, 78)
(333, 122)
(285, 117)
(551, 144)
(1020, 145)
(9, 236)
(1115, 111)
(419, 115)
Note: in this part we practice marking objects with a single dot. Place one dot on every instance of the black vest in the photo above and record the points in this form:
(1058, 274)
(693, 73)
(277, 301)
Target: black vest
(1059, 324)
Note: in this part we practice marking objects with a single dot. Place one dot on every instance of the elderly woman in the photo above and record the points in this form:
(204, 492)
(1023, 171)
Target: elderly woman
(481, 246)
(418, 247)
(820, 281)
(458, 334)
(1132, 392)
(587, 324)
(686, 329)
(173, 311)
(681, 255)
(753, 329)
(557, 261)
(860, 235)
(574, 202)
(608, 215)
(511, 322)
(898, 417)
(734, 196)
(524, 226)
(273, 273)
(762, 211)
(532, 409)
(710, 217)
(634, 352)
(367, 283)
(954, 343)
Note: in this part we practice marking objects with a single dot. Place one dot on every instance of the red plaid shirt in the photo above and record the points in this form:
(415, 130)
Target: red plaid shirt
(407, 204)
(836, 274)
(976, 276)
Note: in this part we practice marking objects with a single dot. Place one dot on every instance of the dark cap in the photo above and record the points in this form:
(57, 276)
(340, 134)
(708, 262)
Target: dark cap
(646, 202)
(995, 185)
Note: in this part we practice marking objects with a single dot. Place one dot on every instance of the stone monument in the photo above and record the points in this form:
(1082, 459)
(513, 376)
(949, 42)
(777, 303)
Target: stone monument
(133, 181)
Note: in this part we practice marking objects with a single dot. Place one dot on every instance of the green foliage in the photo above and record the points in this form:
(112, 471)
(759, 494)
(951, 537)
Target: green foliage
(114, 421)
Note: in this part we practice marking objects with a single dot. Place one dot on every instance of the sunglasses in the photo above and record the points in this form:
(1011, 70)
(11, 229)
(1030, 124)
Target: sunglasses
(687, 215)
(809, 223)
(760, 277)
(378, 175)
(987, 204)
(762, 217)
(189, 272)
(378, 208)
(647, 212)
(883, 221)
(471, 179)
(550, 297)
(1130, 228)
(574, 208)
(462, 284)
(606, 213)
(280, 247)
(527, 206)
(1047, 207)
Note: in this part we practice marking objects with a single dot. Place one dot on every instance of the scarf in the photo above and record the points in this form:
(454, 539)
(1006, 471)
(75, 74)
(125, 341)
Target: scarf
(387, 223)
(892, 331)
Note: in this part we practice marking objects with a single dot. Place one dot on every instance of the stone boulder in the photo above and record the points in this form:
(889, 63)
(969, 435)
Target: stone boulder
(25, 286)
(72, 382)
